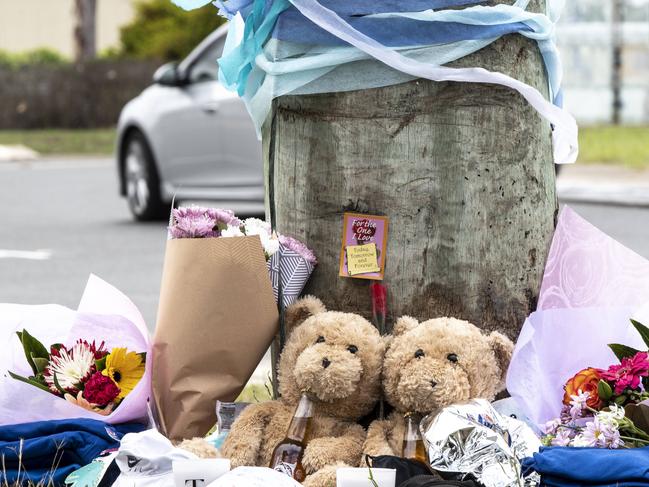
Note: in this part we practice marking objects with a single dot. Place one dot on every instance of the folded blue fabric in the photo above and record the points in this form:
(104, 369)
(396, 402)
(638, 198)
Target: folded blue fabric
(592, 467)
(229, 8)
(368, 7)
(67, 444)
(292, 26)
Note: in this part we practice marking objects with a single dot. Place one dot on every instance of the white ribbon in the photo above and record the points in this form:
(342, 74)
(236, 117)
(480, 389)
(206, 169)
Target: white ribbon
(565, 131)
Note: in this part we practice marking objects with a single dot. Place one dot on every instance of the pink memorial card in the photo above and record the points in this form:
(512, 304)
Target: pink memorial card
(364, 244)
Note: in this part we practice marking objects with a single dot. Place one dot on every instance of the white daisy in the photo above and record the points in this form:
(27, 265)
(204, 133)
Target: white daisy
(71, 367)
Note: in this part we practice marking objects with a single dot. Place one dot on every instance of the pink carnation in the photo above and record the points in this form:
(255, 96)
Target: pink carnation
(627, 374)
(298, 247)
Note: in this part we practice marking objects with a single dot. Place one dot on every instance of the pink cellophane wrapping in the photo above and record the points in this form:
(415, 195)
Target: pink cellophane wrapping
(592, 286)
(104, 314)
(587, 268)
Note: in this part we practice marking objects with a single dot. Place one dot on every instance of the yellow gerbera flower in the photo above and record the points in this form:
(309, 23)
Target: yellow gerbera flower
(125, 368)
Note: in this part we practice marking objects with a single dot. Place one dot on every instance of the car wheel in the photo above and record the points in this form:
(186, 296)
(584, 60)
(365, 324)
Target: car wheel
(141, 180)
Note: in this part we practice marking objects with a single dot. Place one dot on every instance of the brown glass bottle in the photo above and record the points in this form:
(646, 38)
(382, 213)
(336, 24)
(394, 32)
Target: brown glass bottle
(413, 444)
(287, 455)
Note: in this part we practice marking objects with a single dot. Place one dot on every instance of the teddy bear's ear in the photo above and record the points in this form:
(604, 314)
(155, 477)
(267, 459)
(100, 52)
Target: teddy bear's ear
(503, 349)
(404, 324)
(302, 309)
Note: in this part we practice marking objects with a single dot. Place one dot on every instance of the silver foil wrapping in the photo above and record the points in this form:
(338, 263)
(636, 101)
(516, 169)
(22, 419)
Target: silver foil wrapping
(473, 439)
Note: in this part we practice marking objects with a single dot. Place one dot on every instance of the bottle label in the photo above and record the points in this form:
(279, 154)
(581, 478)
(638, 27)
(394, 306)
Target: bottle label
(227, 412)
(287, 468)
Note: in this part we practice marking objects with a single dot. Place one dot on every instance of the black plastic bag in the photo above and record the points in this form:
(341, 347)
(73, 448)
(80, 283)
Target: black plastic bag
(405, 468)
(434, 481)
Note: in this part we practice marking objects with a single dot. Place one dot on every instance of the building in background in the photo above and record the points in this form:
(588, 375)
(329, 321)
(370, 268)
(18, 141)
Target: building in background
(31, 24)
(585, 36)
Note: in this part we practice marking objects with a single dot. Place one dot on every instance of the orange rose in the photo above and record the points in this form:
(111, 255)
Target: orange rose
(585, 381)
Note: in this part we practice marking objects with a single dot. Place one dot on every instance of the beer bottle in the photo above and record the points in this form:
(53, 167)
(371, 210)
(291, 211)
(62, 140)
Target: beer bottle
(287, 455)
(413, 444)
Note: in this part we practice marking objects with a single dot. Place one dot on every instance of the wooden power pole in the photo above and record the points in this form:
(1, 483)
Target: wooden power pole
(85, 29)
(463, 171)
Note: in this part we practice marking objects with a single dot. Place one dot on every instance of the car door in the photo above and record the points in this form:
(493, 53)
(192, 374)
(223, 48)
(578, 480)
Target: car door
(188, 129)
(240, 152)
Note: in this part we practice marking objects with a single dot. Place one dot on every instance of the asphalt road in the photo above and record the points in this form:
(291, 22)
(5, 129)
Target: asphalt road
(70, 210)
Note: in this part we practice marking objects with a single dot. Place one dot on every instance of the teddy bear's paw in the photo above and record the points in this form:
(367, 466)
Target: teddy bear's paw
(328, 451)
(325, 477)
(199, 447)
(316, 456)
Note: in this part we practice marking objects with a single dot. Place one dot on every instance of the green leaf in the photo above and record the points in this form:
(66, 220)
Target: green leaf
(220, 226)
(30, 381)
(619, 400)
(622, 351)
(643, 330)
(32, 348)
(36, 347)
(604, 390)
(40, 364)
(62, 391)
(101, 363)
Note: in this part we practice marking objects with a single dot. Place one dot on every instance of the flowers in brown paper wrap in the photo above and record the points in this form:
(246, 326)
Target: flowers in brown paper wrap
(217, 315)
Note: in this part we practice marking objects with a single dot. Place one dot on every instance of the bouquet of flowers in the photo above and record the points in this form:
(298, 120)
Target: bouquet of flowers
(85, 374)
(290, 262)
(218, 312)
(591, 286)
(97, 356)
(606, 408)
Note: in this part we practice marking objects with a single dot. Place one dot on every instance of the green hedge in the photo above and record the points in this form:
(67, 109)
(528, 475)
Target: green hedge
(163, 31)
(43, 56)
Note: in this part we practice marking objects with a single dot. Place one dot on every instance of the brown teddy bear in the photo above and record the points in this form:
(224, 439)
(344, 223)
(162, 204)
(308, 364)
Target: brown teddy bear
(431, 365)
(336, 358)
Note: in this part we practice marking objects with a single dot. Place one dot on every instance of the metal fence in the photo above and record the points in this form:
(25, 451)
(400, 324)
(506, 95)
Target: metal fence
(70, 96)
(587, 36)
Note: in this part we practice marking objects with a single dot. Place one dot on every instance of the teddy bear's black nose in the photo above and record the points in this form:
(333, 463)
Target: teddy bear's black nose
(326, 362)
(433, 383)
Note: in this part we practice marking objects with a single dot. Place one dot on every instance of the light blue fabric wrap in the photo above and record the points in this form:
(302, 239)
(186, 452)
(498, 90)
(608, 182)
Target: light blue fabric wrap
(273, 50)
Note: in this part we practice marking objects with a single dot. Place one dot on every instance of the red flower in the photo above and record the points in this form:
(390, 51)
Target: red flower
(627, 374)
(584, 381)
(100, 390)
(98, 351)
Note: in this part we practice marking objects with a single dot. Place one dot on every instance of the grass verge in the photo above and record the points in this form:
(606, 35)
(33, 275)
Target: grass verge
(58, 141)
(618, 145)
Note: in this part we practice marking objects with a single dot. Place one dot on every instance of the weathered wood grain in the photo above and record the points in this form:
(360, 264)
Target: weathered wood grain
(463, 171)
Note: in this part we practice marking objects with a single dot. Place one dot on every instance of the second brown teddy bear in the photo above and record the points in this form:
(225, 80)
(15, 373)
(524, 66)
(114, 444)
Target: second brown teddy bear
(434, 364)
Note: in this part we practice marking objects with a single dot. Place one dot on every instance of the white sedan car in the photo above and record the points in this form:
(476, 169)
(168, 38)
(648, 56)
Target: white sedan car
(188, 137)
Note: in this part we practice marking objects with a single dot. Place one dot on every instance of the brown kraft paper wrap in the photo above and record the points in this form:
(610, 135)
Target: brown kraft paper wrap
(216, 318)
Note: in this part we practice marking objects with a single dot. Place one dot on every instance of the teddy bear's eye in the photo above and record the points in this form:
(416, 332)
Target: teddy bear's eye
(320, 339)
(452, 357)
(352, 348)
(419, 353)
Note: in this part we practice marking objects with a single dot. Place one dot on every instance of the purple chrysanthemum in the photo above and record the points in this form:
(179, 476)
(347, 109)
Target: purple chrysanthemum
(199, 222)
(224, 217)
(600, 435)
(297, 246)
(563, 437)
